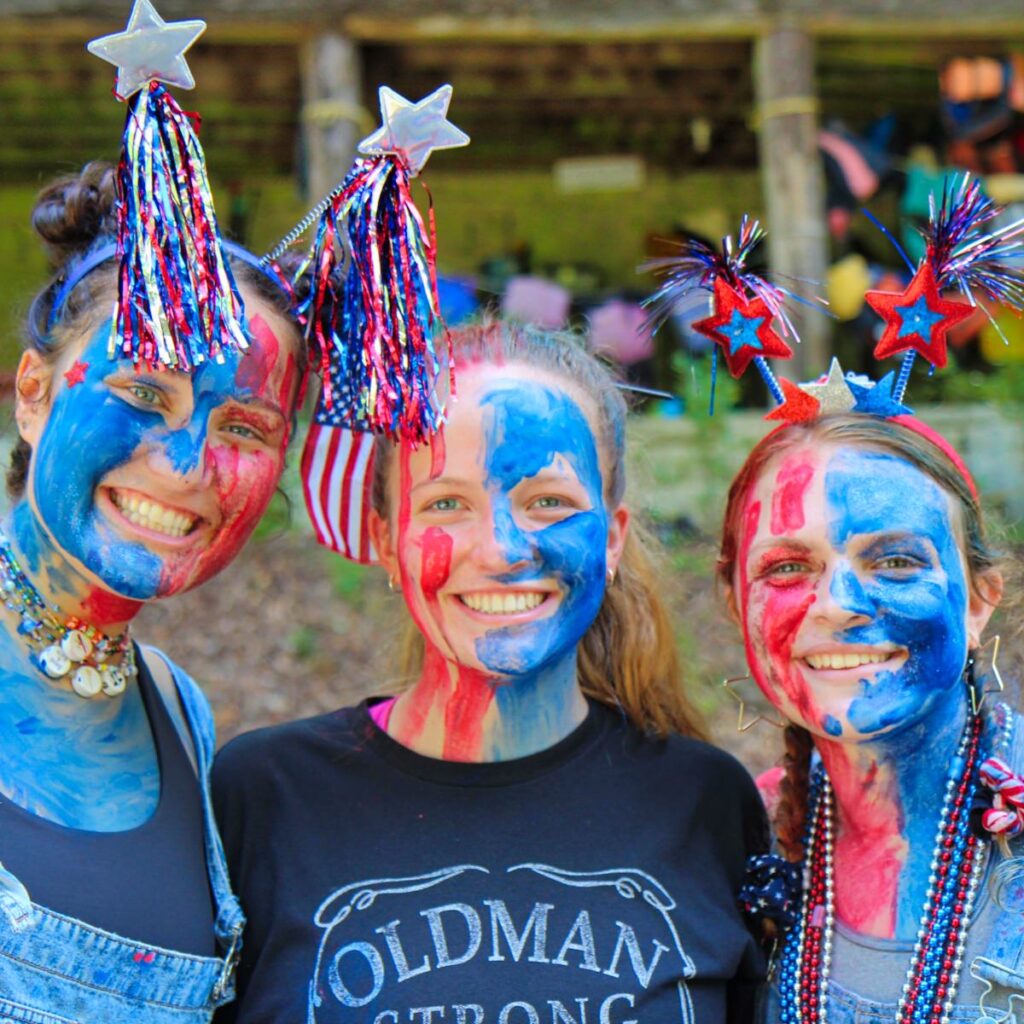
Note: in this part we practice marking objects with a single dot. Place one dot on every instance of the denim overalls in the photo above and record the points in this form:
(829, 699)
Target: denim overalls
(56, 970)
(991, 987)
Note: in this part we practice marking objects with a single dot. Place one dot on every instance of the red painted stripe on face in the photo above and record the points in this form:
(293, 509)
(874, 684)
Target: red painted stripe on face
(464, 716)
(791, 485)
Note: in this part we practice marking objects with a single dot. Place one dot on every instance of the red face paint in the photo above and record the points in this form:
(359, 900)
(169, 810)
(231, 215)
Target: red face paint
(791, 485)
(771, 622)
(103, 608)
(257, 365)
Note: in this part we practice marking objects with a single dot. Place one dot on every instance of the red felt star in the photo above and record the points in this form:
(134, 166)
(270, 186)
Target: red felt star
(918, 318)
(730, 309)
(799, 407)
(76, 374)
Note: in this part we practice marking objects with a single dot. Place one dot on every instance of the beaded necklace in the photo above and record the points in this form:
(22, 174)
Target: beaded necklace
(70, 649)
(957, 865)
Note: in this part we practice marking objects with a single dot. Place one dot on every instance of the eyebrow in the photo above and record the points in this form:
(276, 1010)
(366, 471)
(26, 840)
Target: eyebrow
(442, 481)
(256, 401)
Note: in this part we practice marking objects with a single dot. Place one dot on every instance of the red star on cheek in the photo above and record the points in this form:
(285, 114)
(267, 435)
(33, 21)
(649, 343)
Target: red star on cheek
(76, 374)
(725, 328)
(917, 319)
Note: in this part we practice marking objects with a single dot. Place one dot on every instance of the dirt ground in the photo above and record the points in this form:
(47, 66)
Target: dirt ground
(291, 630)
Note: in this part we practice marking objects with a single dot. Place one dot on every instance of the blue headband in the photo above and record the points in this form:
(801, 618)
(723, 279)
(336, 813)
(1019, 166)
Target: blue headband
(108, 251)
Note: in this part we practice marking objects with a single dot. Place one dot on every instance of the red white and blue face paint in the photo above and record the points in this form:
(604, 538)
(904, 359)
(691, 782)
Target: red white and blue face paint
(502, 533)
(152, 482)
(853, 591)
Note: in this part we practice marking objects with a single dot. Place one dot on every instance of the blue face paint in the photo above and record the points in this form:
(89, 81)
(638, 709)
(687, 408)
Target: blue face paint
(92, 430)
(528, 428)
(832, 726)
(920, 606)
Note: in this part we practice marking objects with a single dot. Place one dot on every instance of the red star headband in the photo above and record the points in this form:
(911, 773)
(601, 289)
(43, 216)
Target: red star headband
(960, 256)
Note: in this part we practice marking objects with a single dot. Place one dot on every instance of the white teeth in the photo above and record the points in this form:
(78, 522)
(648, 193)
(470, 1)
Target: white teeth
(819, 661)
(153, 516)
(503, 603)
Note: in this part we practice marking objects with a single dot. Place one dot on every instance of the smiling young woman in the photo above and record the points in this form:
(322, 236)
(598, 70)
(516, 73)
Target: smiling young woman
(855, 560)
(532, 831)
(126, 486)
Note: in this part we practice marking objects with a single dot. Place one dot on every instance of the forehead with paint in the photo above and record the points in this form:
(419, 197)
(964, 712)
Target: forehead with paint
(152, 481)
(852, 588)
(502, 528)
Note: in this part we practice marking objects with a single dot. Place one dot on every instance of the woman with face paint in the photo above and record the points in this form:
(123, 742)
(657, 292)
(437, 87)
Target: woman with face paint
(126, 486)
(855, 560)
(532, 831)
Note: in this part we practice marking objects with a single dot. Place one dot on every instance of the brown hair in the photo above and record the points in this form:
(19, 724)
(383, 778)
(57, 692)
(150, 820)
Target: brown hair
(628, 658)
(863, 432)
(74, 216)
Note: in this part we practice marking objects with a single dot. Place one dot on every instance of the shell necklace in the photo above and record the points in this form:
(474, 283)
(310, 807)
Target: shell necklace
(91, 662)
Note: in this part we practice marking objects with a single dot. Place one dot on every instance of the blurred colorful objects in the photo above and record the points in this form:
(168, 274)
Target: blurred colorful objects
(533, 300)
(619, 330)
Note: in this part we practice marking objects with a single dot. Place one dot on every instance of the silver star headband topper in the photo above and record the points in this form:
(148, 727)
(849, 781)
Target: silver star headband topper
(414, 130)
(149, 50)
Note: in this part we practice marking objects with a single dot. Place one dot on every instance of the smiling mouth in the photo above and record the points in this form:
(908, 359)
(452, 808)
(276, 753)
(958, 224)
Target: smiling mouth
(151, 515)
(849, 659)
(504, 602)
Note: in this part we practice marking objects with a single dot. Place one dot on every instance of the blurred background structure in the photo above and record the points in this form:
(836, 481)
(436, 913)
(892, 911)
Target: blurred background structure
(602, 131)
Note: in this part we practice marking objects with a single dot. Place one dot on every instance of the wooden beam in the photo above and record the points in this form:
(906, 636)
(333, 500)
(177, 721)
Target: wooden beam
(333, 117)
(793, 182)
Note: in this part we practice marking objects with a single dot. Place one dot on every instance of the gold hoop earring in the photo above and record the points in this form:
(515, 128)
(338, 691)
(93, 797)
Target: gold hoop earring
(971, 673)
(610, 576)
(729, 685)
(391, 583)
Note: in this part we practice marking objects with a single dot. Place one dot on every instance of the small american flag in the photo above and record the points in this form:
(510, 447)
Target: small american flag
(337, 474)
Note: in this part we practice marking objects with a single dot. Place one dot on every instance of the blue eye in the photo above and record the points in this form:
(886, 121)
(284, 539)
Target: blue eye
(445, 504)
(548, 501)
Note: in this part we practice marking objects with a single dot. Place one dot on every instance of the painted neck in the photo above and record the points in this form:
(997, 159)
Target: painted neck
(62, 584)
(462, 714)
(889, 795)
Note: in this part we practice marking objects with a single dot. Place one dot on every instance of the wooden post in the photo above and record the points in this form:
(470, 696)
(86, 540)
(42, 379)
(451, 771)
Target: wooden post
(333, 117)
(793, 183)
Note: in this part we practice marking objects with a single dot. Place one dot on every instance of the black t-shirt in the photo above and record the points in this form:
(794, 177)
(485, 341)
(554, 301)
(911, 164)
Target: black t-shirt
(592, 883)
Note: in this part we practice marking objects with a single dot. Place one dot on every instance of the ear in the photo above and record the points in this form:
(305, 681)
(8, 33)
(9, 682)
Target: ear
(984, 597)
(618, 529)
(387, 554)
(32, 393)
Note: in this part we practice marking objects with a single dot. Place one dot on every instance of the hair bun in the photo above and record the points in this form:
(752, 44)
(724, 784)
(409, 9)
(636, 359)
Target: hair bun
(75, 210)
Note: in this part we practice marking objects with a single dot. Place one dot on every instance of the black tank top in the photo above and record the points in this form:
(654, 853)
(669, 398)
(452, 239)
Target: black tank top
(148, 883)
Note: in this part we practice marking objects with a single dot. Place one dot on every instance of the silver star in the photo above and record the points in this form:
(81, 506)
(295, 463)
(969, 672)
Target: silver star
(149, 50)
(414, 130)
(832, 394)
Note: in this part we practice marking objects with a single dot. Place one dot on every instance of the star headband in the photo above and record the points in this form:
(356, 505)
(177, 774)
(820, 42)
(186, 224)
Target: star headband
(177, 301)
(376, 346)
(960, 255)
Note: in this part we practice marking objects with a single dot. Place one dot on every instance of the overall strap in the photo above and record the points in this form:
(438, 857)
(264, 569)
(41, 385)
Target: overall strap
(191, 710)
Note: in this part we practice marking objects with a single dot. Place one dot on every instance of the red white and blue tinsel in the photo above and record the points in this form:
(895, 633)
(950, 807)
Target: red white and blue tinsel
(177, 301)
(745, 305)
(960, 256)
(376, 344)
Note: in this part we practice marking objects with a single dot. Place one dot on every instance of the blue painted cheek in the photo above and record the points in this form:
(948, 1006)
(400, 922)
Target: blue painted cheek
(923, 612)
(517, 545)
(847, 592)
(89, 433)
(571, 552)
(527, 429)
